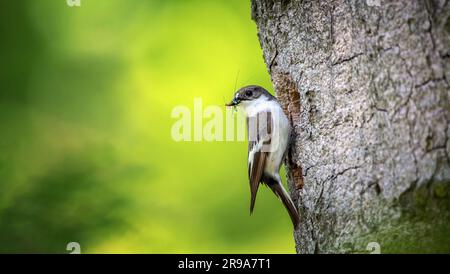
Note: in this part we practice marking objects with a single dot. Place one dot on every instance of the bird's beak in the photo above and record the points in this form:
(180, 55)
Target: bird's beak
(235, 102)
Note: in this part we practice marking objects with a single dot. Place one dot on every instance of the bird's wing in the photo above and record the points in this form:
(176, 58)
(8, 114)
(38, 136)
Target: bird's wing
(259, 133)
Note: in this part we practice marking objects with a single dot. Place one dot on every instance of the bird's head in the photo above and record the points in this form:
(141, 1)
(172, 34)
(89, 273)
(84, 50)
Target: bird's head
(250, 94)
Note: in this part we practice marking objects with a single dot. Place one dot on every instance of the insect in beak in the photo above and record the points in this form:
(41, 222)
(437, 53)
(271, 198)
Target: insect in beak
(233, 103)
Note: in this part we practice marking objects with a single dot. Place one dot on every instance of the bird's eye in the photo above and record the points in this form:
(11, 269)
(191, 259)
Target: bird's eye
(248, 93)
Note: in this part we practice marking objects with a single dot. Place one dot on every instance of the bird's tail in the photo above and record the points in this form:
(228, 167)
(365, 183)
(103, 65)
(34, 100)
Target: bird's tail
(282, 194)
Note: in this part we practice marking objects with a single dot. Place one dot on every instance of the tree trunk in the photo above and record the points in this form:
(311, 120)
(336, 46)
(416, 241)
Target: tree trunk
(366, 86)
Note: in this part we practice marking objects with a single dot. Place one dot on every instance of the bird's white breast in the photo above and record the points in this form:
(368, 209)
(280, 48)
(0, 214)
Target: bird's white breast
(280, 131)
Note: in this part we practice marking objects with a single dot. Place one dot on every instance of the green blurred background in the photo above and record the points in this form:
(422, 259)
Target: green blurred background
(86, 153)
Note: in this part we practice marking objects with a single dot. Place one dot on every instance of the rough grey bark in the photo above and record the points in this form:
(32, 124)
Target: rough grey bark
(366, 86)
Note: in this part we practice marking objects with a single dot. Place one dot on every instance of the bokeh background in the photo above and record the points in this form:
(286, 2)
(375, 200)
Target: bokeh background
(86, 153)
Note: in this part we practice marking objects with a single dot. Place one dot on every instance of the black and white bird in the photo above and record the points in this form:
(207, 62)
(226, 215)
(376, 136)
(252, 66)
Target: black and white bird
(268, 134)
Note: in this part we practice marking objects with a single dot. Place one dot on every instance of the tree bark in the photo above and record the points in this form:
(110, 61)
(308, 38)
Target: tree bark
(366, 86)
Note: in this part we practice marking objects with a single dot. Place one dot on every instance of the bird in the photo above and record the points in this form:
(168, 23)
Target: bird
(268, 139)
